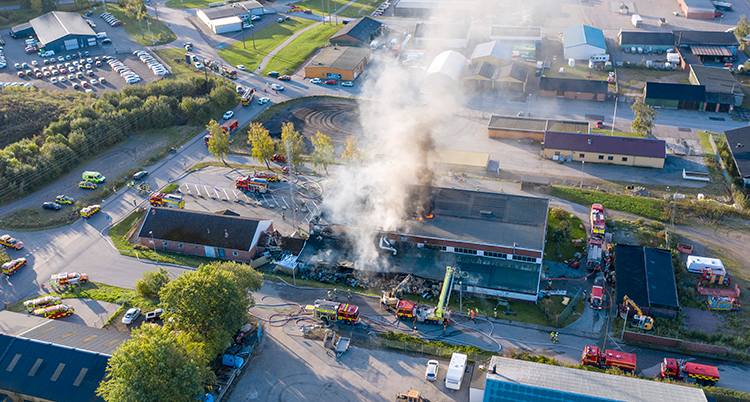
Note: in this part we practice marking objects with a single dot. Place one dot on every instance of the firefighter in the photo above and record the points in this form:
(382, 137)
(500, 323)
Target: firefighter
(552, 336)
(330, 295)
(349, 294)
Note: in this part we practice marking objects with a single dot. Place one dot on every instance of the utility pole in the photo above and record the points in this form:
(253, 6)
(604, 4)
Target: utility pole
(291, 181)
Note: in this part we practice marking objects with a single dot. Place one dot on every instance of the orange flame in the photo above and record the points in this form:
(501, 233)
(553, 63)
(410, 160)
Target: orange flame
(430, 216)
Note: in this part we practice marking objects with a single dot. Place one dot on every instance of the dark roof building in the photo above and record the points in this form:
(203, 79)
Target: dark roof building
(61, 31)
(654, 40)
(358, 32)
(697, 9)
(530, 127)
(628, 151)
(738, 140)
(675, 96)
(646, 276)
(707, 44)
(573, 88)
(509, 77)
(723, 92)
(22, 30)
(202, 233)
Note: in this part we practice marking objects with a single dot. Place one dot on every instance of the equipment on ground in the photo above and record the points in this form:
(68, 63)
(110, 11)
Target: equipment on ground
(609, 358)
(455, 374)
(723, 303)
(54, 312)
(709, 276)
(144, 188)
(41, 302)
(411, 396)
(330, 311)
(391, 298)
(342, 346)
(640, 320)
(597, 220)
(249, 183)
(700, 374)
(158, 199)
(685, 248)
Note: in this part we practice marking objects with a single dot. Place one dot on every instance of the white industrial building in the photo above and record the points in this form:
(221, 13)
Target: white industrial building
(582, 42)
(229, 17)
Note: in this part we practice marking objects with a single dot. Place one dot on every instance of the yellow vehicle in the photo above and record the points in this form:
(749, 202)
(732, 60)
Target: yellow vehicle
(94, 177)
(639, 320)
(41, 302)
(90, 210)
(53, 312)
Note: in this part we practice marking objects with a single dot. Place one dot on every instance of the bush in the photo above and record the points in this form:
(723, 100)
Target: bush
(657, 225)
(639, 221)
(563, 233)
(151, 283)
(560, 213)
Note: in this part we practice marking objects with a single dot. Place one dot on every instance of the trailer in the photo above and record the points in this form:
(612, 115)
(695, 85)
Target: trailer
(721, 292)
(697, 264)
(700, 374)
(593, 356)
(342, 346)
(455, 374)
(723, 303)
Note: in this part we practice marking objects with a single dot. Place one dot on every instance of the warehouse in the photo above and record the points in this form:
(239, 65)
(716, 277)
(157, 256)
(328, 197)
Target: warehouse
(424, 9)
(61, 31)
(525, 41)
(339, 63)
(626, 151)
(445, 70)
(698, 9)
(738, 141)
(675, 96)
(573, 88)
(651, 41)
(708, 46)
(445, 36)
(723, 92)
(510, 77)
(646, 276)
(24, 30)
(358, 32)
(582, 41)
(528, 127)
(230, 17)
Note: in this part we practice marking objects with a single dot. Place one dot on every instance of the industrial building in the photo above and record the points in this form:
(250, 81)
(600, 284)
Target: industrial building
(723, 92)
(738, 141)
(698, 9)
(510, 77)
(442, 35)
(675, 96)
(582, 41)
(224, 236)
(229, 17)
(430, 8)
(445, 70)
(646, 276)
(592, 148)
(60, 31)
(358, 32)
(529, 127)
(573, 88)
(652, 41)
(525, 41)
(494, 52)
(496, 239)
(339, 62)
(707, 45)
(506, 379)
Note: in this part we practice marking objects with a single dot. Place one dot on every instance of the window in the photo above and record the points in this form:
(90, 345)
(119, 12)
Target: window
(179, 246)
(557, 153)
(609, 158)
(220, 253)
(435, 247)
(464, 250)
(165, 245)
(581, 155)
(234, 253)
(601, 157)
(524, 258)
(624, 159)
(496, 255)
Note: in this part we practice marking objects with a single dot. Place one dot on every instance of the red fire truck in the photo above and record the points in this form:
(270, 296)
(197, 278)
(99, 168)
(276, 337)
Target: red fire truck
(597, 220)
(41, 302)
(247, 97)
(330, 311)
(166, 200)
(206, 139)
(230, 126)
(53, 312)
(411, 311)
(268, 176)
(249, 183)
(700, 374)
(609, 358)
(596, 297)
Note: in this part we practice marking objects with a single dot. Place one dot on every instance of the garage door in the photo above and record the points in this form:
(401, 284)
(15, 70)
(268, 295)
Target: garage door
(71, 44)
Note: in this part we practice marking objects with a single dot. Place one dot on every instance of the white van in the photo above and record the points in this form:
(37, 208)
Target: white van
(455, 374)
(636, 20)
(599, 58)
(101, 35)
(374, 44)
(697, 264)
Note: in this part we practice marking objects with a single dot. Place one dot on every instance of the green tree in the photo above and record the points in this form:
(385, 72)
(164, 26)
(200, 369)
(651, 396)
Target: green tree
(198, 110)
(559, 213)
(224, 97)
(292, 145)
(151, 283)
(352, 152)
(207, 303)
(743, 28)
(218, 145)
(151, 366)
(248, 280)
(645, 115)
(563, 233)
(160, 112)
(324, 153)
(82, 3)
(261, 143)
(136, 9)
(79, 143)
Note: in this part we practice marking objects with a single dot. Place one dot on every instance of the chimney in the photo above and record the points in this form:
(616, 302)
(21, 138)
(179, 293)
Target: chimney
(494, 369)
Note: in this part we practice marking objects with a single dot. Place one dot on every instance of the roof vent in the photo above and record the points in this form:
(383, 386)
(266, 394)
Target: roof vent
(589, 141)
(485, 213)
(739, 145)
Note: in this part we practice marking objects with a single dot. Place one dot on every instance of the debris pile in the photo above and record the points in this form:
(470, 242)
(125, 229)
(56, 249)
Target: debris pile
(640, 192)
(383, 281)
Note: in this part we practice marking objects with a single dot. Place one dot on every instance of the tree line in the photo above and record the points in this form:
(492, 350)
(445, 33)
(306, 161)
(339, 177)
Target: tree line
(87, 129)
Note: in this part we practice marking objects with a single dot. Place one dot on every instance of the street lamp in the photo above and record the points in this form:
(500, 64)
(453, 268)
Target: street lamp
(460, 296)
(151, 232)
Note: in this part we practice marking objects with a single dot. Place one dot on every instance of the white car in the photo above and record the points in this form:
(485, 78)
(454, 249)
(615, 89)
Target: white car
(347, 84)
(53, 80)
(277, 87)
(315, 81)
(198, 65)
(241, 67)
(228, 115)
(247, 26)
(131, 315)
(432, 370)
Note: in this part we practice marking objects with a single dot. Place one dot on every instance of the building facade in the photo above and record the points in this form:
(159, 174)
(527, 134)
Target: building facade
(582, 41)
(573, 88)
(675, 96)
(339, 62)
(592, 148)
(62, 31)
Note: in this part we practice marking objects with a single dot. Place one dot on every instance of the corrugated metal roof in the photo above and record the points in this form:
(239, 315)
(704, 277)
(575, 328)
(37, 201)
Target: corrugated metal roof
(584, 35)
(57, 24)
(360, 29)
(340, 57)
(492, 50)
(530, 381)
(568, 126)
(449, 63)
(699, 50)
(646, 147)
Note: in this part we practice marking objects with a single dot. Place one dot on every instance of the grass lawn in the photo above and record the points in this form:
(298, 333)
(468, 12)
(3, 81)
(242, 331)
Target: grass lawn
(360, 8)
(580, 71)
(317, 5)
(179, 4)
(134, 28)
(266, 40)
(616, 133)
(651, 208)
(288, 59)
(176, 60)
(712, 161)
(12, 18)
(552, 249)
(31, 219)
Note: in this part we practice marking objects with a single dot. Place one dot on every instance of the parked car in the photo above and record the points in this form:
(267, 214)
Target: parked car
(347, 84)
(273, 74)
(140, 175)
(330, 82)
(432, 370)
(131, 315)
(52, 206)
(285, 78)
(315, 81)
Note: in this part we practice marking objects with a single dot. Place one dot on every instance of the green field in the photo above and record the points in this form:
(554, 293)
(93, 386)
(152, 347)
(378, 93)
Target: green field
(360, 8)
(160, 33)
(176, 60)
(266, 40)
(651, 208)
(288, 59)
(188, 3)
(617, 133)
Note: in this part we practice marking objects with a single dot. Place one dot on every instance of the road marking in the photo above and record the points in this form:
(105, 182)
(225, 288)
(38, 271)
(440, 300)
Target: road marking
(225, 194)
(208, 193)
(284, 199)
(266, 199)
(216, 192)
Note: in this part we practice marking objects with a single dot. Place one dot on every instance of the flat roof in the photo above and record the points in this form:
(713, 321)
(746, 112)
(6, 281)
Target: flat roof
(516, 123)
(340, 57)
(507, 32)
(58, 24)
(568, 126)
(645, 275)
(672, 91)
(738, 140)
(230, 10)
(646, 147)
(475, 160)
(515, 380)
(706, 38)
(646, 38)
(573, 85)
(717, 80)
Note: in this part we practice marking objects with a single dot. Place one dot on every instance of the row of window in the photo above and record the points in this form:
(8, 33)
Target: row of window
(220, 250)
(524, 258)
(476, 252)
(464, 250)
(496, 255)
(601, 157)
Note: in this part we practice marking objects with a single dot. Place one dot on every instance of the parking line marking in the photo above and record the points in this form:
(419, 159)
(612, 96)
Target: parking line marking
(216, 192)
(198, 190)
(266, 199)
(284, 199)
(225, 194)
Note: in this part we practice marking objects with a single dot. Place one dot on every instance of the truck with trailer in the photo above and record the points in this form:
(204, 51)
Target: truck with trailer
(593, 356)
(455, 374)
(251, 184)
(330, 311)
(700, 374)
(597, 220)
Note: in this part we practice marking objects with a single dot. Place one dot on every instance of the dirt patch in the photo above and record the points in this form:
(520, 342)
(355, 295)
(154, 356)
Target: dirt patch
(702, 320)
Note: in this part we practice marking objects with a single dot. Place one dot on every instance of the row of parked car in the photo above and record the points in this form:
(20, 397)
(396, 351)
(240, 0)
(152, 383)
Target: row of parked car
(3, 62)
(16, 84)
(152, 63)
(124, 71)
(111, 19)
(380, 10)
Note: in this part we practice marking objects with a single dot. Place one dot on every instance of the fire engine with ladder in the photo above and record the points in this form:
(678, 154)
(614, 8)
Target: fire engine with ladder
(158, 199)
(700, 374)
(331, 311)
(251, 184)
(438, 315)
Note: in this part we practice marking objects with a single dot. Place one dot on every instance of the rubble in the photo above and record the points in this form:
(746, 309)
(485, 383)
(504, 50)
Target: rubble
(384, 282)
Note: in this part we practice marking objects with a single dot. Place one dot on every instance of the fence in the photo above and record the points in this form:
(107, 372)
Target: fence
(560, 318)
(417, 348)
(101, 320)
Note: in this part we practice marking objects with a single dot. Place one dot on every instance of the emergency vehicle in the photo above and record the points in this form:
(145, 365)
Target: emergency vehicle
(608, 358)
(231, 74)
(64, 199)
(597, 220)
(230, 126)
(68, 278)
(700, 374)
(10, 242)
(206, 139)
(53, 312)
(249, 183)
(596, 297)
(411, 311)
(10, 267)
(330, 311)
(247, 97)
(90, 210)
(268, 176)
(41, 302)
(166, 200)
(723, 303)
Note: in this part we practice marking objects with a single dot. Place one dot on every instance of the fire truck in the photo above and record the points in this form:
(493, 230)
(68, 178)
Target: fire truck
(231, 74)
(709, 276)
(90, 210)
(408, 310)
(597, 293)
(249, 183)
(41, 302)
(592, 356)
(11, 267)
(230, 126)
(206, 139)
(247, 97)
(330, 311)
(10, 242)
(725, 303)
(700, 374)
(68, 278)
(166, 200)
(594, 254)
(597, 220)
(267, 176)
(53, 312)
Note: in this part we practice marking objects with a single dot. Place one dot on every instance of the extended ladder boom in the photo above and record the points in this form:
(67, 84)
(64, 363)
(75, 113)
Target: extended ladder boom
(445, 291)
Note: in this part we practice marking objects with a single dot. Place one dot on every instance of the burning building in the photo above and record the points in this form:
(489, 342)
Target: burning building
(495, 239)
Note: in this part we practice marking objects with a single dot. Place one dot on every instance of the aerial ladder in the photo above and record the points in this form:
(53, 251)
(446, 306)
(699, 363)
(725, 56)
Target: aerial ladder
(390, 299)
(440, 315)
(639, 320)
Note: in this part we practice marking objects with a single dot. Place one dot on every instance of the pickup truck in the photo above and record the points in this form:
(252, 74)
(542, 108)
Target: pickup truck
(154, 315)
